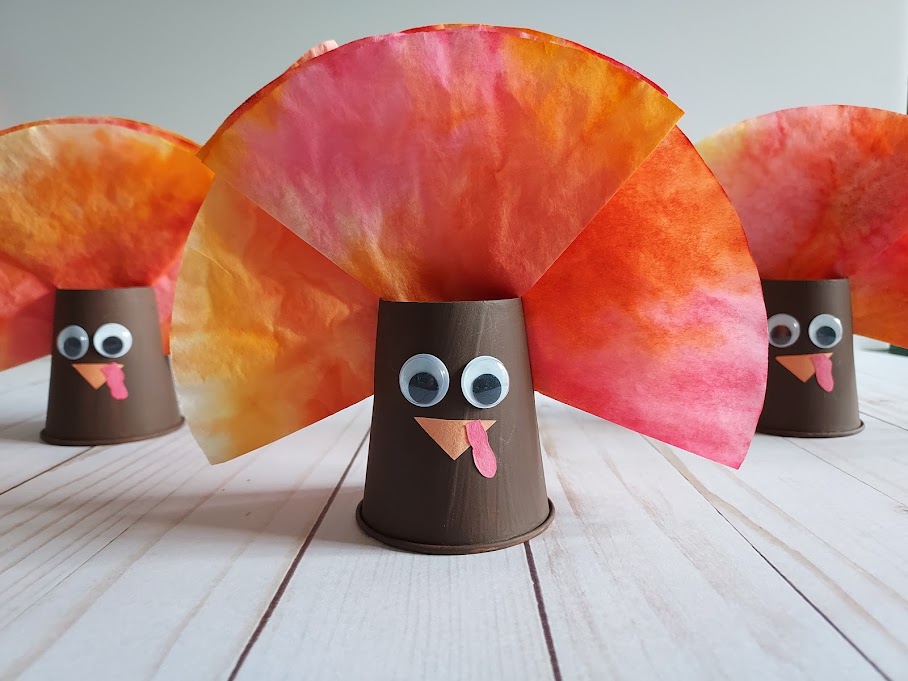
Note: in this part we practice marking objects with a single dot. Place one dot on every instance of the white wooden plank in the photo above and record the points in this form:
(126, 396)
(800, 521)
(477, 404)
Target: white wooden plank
(23, 455)
(877, 456)
(884, 398)
(23, 402)
(837, 540)
(109, 569)
(355, 609)
(31, 373)
(872, 357)
(18, 403)
(52, 525)
(141, 561)
(642, 579)
(882, 382)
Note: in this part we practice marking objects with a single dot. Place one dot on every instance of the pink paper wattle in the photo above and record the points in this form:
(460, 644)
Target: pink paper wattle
(483, 456)
(823, 366)
(113, 372)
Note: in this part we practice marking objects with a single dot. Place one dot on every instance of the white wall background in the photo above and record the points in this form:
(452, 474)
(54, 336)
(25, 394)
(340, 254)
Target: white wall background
(186, 64)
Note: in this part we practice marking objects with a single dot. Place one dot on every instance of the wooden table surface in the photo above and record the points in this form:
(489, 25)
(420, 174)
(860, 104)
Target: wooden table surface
(141, 561)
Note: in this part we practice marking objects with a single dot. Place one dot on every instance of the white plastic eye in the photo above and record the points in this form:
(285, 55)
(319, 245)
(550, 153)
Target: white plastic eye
(784, 330)
(485, 382)
(825, 331)
(424, 380)
(112, 340)
(72, 342)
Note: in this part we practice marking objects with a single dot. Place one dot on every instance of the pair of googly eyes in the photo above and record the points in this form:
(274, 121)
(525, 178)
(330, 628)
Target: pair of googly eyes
(825, 330)
(424, 381)
(110, 340)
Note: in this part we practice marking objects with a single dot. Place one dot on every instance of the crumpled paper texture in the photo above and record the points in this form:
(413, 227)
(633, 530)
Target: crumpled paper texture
(654, 318)
(91, 203)
(822, 192)
(26, 316)
(442, 164)
(524, 33)
(268, 335)
(458, 163)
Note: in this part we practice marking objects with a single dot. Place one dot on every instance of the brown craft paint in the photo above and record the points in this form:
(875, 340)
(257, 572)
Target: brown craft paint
(811, 389)
(445, 475)
(110, 381)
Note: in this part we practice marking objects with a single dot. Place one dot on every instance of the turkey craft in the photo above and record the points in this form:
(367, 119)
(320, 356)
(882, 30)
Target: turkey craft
(450, 218)
(822, 192)
(94, 213)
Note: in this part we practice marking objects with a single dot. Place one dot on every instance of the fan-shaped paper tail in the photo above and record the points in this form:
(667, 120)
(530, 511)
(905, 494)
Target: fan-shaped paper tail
(653, 318)
(26, 315)
(879, 295)
(27, 310)
(164, 288)
(822, 192)
(536, 35)
(449, 164)
(268, 335)
(92, 203)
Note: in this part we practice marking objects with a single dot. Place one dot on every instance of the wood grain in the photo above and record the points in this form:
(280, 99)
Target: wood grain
(882, 383)
(36, 372)
(357, 610)
(881, 398)
(23, 401)
(643, 579)
(877, 456)
(142, 561)
(838, 541)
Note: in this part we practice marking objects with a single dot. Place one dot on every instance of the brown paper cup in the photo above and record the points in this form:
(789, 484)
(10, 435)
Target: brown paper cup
(797, 404)
(84, 406)
(425, 491)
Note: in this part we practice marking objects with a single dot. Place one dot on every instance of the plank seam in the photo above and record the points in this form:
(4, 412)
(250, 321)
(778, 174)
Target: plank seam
(46, 470)
(807, 600)
(842, 470)
(10, 425)
(876, 417)
(771, 565)
(294, 564)
(34, 602)
(543, 615)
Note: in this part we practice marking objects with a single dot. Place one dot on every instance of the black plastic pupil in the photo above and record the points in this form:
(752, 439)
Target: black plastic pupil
(423, 387)
(826, 335)
(72, 346)
(486, 389)
(781, 334)
(112, 345)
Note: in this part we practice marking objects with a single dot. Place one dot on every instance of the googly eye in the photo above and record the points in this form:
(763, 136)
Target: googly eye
(424, 380)
(72, 342)
(112, 340)
(485, 382)
(784, 330)
(825, 331)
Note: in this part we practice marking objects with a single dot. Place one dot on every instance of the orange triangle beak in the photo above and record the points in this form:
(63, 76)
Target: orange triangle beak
(450, 435)
(800, 365)
(92, 374)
